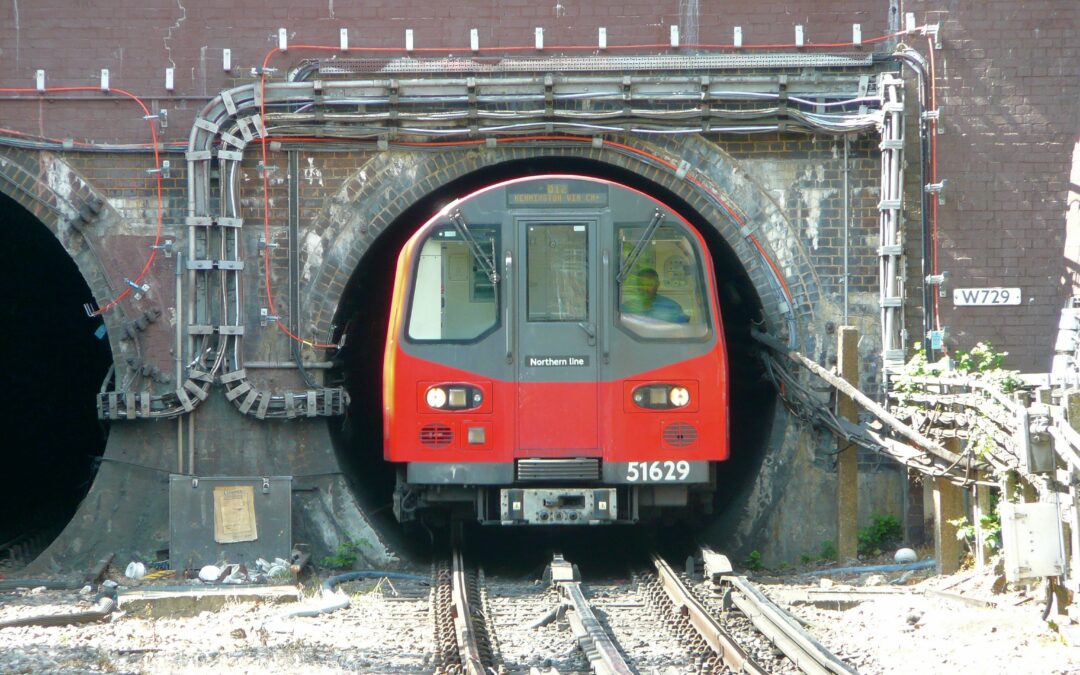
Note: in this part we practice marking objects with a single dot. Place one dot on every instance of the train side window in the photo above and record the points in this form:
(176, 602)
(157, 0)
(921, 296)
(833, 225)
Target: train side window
(452, 297)
(663, 294)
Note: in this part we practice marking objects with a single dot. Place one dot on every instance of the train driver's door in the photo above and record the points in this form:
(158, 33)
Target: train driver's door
(556, 336)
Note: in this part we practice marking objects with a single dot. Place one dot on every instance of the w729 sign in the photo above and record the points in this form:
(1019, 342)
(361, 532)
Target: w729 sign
(985, 297)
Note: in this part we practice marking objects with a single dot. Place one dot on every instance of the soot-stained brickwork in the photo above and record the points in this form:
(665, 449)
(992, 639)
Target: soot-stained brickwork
(1009, 92)
(1005, 81)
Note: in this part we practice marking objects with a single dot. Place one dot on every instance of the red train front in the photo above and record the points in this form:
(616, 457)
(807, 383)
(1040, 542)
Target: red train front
(555, 356)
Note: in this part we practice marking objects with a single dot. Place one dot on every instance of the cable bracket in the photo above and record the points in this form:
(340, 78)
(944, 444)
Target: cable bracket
(938, 189)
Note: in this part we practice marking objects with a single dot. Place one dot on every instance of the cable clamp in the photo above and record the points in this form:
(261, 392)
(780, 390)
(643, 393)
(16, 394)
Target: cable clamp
(939, 281)
(933, 31)
(162, 117)
(261, 168)
(265, 317)
(938, 189)
(138, 288)
(165, 247)
(164, 169)
(264, 244)
(934, 115)
(260, 70)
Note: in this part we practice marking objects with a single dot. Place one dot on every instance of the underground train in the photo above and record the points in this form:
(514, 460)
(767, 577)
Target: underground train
(555, 356)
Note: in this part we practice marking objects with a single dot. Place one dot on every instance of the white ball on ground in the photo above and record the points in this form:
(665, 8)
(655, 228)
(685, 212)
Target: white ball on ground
(906, 555)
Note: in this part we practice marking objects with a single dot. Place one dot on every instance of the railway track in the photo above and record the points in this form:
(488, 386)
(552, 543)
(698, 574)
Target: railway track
(655, 620)
(462, 641)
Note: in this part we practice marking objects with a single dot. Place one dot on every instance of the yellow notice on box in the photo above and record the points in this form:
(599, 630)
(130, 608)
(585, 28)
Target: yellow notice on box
(234, 514)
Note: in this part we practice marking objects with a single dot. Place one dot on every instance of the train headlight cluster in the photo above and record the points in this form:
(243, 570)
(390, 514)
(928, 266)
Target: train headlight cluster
(454, 397)
(679, 396)
(661, 396)
(436, 397)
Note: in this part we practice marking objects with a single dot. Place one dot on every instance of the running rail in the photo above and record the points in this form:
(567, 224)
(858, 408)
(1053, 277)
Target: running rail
(798, 645)
(603, 655)
(718, 639)
(468, 648)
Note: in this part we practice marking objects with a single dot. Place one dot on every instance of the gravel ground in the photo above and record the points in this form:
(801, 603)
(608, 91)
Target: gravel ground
(913, 631)
(384, 632)
(379, 633)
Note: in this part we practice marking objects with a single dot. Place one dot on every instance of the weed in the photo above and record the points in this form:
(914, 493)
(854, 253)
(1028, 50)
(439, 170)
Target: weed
(828, 550)
(753, 561)
(346, 555)
(883, 531)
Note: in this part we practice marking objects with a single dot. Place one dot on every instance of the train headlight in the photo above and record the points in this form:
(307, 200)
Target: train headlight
(436, 397)
(679, 396)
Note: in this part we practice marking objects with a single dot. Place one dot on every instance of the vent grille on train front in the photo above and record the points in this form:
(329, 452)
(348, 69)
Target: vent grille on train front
(436, 435)
(558, 469)
(680, 434)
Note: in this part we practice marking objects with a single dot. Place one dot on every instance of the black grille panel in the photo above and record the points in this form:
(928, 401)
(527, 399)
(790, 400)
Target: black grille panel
(545, 469)
(680, 434)
(436, 435)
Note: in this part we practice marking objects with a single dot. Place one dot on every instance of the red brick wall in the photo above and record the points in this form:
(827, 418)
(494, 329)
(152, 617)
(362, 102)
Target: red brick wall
(1009, 88)
(74, 39)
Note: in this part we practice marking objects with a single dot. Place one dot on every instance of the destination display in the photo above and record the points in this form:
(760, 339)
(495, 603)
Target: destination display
(557, 193)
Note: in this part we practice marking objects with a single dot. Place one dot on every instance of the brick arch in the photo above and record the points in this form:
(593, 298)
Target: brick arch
(50, 189)
(381, 190)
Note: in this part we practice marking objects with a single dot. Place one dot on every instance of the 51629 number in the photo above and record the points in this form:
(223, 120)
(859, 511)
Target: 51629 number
(656, 472)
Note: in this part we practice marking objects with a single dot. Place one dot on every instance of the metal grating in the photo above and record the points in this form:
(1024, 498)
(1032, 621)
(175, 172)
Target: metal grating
(545, 469)
(680, 434)
(436, 435)
(618, 64)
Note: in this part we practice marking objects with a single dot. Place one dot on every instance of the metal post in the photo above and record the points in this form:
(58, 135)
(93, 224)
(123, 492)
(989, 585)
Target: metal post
(847, 461)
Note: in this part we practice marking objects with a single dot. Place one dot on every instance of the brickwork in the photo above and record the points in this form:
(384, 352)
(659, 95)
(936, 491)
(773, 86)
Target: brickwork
(73, 41)
(1009, 91)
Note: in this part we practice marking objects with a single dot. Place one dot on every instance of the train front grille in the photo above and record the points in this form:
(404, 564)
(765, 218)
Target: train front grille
(436, 435)
(558, 469)
(680, 434)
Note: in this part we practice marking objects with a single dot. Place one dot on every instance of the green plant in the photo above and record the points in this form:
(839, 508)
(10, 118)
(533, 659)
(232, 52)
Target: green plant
(883, 530)
(828, 550)
(987, 363)
(753, 561)
(346, 555)
(991, 527)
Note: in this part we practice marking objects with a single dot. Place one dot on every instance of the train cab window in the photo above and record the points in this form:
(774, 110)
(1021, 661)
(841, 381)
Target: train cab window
(558, 272)
(662, 293)
(453, 296)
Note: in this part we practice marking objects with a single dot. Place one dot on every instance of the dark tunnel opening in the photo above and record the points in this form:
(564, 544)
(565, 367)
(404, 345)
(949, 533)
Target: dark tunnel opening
(55, 361)
(364, 315)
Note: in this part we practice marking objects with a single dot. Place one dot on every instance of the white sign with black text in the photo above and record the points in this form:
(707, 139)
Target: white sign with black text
(985, 297)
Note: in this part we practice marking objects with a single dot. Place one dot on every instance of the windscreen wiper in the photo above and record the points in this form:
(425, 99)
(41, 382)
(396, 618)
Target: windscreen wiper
(487, 262)
(639, 247)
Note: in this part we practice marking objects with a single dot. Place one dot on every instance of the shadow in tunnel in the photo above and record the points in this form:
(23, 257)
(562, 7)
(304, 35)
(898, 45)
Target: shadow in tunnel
(55, 359)
(364, 314)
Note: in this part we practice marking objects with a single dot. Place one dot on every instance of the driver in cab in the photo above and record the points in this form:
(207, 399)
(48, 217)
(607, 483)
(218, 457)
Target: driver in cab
(641, 297)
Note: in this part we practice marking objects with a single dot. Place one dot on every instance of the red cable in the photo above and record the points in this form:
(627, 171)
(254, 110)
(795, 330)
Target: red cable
(157, 163)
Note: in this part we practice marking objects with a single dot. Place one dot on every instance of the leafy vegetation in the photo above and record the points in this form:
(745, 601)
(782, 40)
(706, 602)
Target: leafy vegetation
(884, 531)
(753, 561)
(346, 555)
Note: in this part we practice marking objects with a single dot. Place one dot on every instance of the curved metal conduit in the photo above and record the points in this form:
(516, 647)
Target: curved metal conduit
(230, 121)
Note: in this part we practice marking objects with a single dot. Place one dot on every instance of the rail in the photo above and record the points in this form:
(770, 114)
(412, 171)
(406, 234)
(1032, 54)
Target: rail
(718, 639)
(798, 645)
(595, 642)
(464, 627)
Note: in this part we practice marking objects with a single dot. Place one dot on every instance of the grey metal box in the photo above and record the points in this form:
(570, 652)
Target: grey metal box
(1031, 540)
(235, 519)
